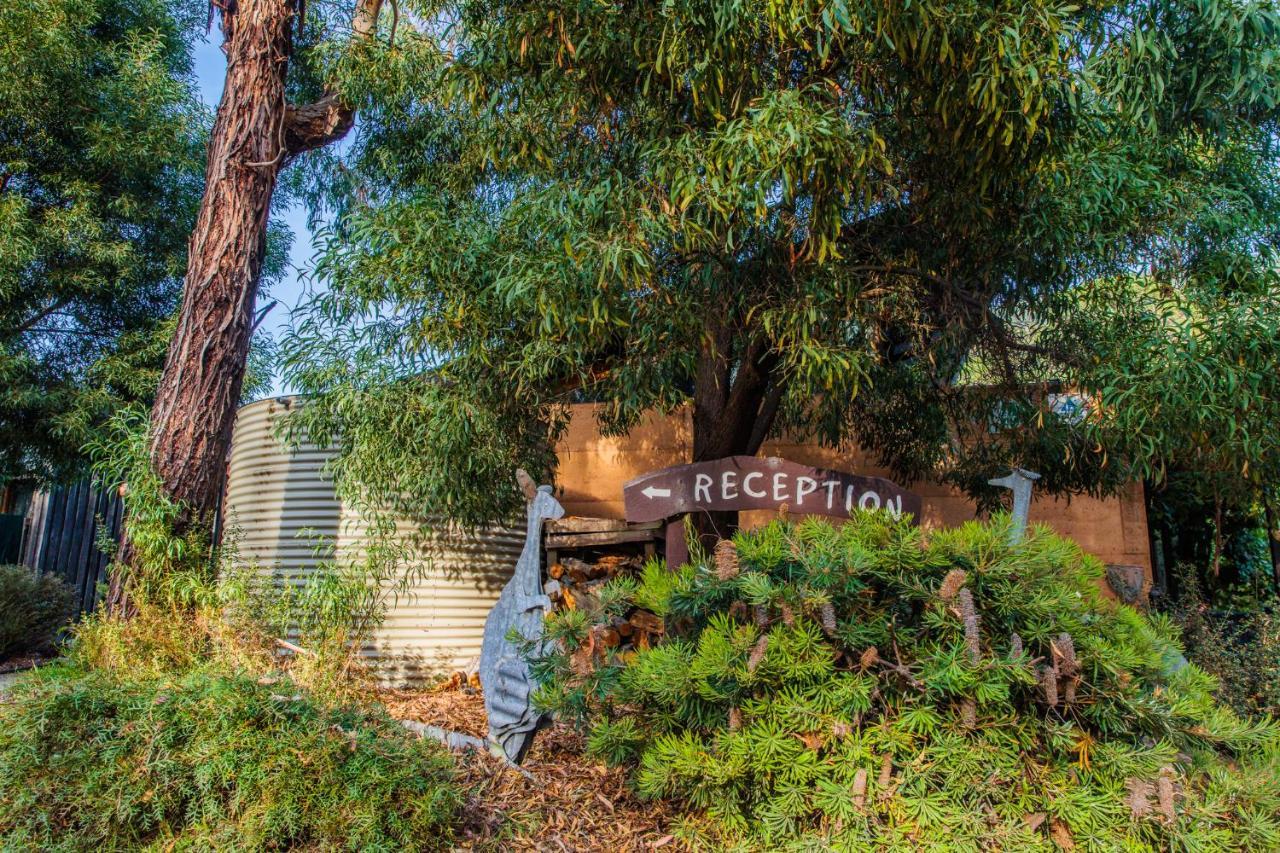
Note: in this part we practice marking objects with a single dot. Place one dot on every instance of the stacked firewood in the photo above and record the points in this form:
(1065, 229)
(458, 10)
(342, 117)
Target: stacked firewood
(574, 584)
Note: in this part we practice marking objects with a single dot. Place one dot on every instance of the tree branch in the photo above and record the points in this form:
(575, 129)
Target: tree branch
(29, 324)
(328, 119)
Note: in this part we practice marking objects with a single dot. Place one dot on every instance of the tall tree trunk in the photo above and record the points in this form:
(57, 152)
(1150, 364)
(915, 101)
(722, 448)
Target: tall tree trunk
(254, 135)
(735, 402)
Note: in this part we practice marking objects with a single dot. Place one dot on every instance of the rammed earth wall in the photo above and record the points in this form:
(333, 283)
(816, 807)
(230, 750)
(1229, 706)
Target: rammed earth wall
(594, 467)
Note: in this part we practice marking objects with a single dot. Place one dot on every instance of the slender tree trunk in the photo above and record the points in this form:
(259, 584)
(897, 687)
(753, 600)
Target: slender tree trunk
(735, 403)
(254, 135)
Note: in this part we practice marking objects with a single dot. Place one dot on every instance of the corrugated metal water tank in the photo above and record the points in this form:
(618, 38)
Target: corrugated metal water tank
(284, 516)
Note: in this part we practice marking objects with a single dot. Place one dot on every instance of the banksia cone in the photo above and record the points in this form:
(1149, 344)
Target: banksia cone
(951, 584)
(860, 788)
(886, 772)
(735, 719)
(1015, 646)
(1164, 792)
(828, 614)
(969, 713)
(1139, 799)
(762, 615)
(1049, 685)
(726, 559)
(870, 658)
(788, 615)
(1066, 650)
(1068, 666)
(841, 729)
(757, 653)
(969, 615)
(738, 610)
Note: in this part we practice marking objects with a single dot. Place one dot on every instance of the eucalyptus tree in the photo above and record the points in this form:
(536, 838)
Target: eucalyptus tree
(277, 104)
(100, 141)
(854, 221)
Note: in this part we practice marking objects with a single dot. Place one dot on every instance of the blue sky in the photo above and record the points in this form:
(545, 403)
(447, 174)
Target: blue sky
(210, 65)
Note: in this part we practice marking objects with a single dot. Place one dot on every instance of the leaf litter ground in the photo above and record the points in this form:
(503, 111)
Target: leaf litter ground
(573, 804)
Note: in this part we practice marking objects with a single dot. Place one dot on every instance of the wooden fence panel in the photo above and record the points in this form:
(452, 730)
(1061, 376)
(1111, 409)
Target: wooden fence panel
(63, 531)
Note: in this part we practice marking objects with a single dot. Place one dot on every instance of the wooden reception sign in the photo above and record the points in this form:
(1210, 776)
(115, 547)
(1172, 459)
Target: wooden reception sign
(751, 482)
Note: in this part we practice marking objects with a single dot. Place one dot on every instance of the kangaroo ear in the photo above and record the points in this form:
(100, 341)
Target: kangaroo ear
(527, 485)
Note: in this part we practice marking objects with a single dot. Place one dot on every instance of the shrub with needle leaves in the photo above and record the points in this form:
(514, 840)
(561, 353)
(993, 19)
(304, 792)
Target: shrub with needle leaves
(871, 686)
(210, 761)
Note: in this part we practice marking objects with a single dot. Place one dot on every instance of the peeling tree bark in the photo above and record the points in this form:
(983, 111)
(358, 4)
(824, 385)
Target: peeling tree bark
(255, 134)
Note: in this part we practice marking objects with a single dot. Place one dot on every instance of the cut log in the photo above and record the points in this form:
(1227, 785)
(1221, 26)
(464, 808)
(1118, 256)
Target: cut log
(646, 621)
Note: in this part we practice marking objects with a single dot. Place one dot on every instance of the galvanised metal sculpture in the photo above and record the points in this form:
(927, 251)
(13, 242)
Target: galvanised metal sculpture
(522, 606)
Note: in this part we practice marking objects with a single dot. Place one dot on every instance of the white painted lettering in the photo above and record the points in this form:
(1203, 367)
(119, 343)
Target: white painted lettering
(780, 486)
(869, 500)
(848, 499)
(805, 486)
(702, 488)
(729, 485)
(831, 493)
(746, 485)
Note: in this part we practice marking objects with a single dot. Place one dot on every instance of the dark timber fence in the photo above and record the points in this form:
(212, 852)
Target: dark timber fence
(63, 529)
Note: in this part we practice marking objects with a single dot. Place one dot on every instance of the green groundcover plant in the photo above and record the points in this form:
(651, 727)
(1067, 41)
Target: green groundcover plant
(91, 760)
(871, 686)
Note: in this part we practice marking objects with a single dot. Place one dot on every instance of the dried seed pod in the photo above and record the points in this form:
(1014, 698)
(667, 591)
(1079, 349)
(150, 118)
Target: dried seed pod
(969, 615)
(1015, 646)
(1139, 799)
(841, 729)
(735, 719)
(951, 584)
(1069, 691)
(757, 653)
(860, 788)
(788, 615)
(738, 610)
(1049, 685)
(1065, 648)
(969, 713)
(762, 615)
(726, 560)
(1164, 793)
(870, 658)
(886, 772)
(828, 614)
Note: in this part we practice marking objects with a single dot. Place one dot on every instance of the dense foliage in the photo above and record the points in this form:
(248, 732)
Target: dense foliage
(871, 687)
(101, 166)
(33, 609)
(1237, 641)
(89, 761)
(904, 225)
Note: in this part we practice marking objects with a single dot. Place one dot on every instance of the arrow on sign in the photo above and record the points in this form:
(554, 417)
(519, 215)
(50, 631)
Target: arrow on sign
(652, 492)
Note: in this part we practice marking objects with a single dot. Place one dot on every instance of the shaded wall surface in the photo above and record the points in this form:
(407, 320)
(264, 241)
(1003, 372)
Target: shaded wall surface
(593, 469)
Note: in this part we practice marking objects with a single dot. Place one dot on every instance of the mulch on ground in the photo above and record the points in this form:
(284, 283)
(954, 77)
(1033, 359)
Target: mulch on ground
(572, 804)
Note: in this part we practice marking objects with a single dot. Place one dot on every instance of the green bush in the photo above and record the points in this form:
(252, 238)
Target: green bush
(1239, 646)
(32, 610)
(89, 760)
(874, 687)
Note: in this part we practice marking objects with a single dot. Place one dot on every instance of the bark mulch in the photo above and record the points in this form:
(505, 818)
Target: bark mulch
(572, 804)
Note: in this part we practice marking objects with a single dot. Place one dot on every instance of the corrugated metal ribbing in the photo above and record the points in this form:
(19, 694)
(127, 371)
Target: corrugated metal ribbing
(283, 514)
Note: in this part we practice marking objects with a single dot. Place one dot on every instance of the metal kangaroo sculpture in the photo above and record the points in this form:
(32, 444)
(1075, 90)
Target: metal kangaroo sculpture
(504, 674)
